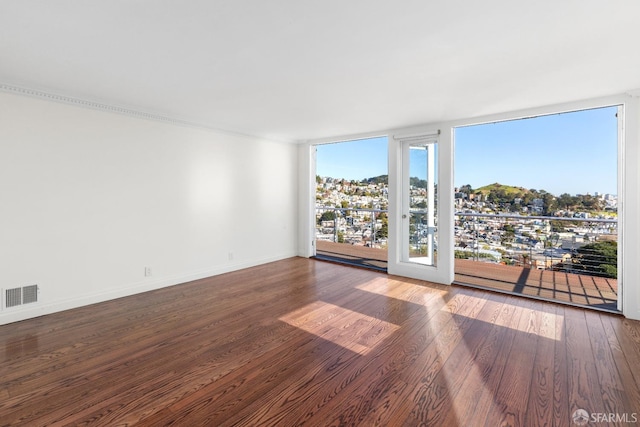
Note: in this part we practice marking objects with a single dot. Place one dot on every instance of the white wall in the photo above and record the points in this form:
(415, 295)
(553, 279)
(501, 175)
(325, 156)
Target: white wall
(89, 198)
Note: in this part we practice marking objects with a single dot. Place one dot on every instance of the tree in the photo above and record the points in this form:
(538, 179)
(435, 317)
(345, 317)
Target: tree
(597, 259)
(383, 233)
(527, 198)
(509, 234)
(327, 216)
(549, 204)
(566, 201)
(557, 226)
(466, 189)
(591, 203)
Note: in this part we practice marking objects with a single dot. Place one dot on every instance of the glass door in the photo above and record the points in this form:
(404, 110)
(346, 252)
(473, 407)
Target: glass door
(420, 195)
(421, 207)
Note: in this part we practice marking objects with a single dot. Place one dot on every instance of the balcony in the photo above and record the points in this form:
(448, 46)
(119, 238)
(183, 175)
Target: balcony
(551, 258)
(573, 260)
(354, 236)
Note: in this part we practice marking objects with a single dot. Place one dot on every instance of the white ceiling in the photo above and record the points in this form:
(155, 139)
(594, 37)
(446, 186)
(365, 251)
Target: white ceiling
(302, 69)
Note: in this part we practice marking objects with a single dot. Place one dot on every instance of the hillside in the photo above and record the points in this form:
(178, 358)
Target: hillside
(507, 190)
(382, 179)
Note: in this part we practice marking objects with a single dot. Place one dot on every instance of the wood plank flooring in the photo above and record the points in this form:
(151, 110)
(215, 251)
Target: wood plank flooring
(307, 342)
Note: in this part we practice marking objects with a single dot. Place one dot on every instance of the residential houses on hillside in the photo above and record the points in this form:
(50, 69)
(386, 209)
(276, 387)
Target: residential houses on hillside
(355, 212)
(351, 212)
(486, 232)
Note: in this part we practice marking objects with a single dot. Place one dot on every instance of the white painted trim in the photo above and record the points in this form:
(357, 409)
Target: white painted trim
(413, 130)
(345, 138)
(394, 215)
(38, 309)
(586, 104)
(621, 191)
(306, 200)
(443, 271)
(417, 136)
(129, 112)
(629, 209)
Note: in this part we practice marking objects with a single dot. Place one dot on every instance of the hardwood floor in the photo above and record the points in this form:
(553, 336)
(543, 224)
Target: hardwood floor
(306, 342)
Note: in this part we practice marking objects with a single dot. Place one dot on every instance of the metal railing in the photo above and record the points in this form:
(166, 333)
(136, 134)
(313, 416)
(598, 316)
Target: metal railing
(351, 225)
(574, 245)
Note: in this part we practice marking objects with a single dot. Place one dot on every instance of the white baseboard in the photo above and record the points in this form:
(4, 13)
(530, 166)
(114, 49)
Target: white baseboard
(30, 311)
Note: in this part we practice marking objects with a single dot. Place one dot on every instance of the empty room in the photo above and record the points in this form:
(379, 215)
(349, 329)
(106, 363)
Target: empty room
(163, 211)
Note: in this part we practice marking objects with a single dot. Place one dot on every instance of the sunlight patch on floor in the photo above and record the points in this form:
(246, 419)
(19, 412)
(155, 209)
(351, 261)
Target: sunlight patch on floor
(474, 384)
(350, 329)
(410, 292)
(538, 327)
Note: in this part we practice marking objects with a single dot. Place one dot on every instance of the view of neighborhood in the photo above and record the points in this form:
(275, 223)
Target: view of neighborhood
(495, 223)
(359, 208)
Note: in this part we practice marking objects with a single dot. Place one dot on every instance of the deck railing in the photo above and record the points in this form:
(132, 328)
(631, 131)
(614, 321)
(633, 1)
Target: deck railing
(574, 245)
(361, 226)
(570, 244)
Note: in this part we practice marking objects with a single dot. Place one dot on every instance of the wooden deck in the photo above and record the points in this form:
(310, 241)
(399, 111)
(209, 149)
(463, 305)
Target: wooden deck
(595, 292)
(305, 342)
(589, 291)
(353, 254)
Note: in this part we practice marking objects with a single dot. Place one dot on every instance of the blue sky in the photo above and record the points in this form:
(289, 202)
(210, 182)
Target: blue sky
(572, 153)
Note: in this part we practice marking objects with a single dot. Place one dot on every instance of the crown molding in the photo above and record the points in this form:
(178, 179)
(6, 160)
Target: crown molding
(138, 114)
(33, 93)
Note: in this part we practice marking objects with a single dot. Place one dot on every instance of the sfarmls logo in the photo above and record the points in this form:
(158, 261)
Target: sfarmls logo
(581, 417)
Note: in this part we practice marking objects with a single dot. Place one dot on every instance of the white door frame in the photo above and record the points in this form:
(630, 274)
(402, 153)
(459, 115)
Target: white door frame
(398, 262)
(430, 148)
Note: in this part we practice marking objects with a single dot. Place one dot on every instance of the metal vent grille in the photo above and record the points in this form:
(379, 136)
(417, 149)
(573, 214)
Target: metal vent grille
(13, 297)
(19, 296)
(30, 294)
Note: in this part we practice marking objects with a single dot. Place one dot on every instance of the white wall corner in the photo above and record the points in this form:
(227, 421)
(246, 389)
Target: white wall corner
(306, 199)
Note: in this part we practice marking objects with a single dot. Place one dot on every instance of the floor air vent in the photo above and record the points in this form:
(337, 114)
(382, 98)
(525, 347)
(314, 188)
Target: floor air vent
(19, 296)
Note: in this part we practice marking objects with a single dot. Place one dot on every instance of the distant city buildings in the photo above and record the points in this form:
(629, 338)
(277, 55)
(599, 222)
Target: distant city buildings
(357, 211)
(490, 227)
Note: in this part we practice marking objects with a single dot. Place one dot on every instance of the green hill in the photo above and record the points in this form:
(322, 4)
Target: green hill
(506, 190)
